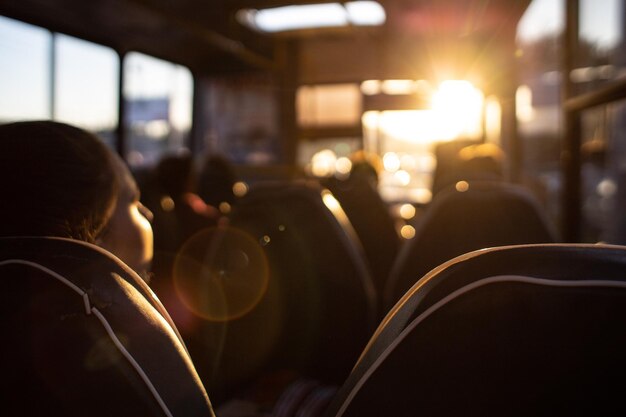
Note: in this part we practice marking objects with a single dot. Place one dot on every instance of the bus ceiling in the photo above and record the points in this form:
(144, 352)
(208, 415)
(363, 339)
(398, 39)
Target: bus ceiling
(207, 37)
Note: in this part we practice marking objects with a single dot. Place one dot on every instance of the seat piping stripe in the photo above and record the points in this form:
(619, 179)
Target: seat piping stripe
(455, 294)
(104, 323)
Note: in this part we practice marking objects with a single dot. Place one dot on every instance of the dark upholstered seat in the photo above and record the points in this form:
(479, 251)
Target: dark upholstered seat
(529, 330)
(372, 221)
(486, 214)
(83, 335)
(318, 308)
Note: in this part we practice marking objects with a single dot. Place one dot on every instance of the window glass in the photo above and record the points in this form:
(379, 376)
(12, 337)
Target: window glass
(405, 141)
(603, 173)
(241, 119)
(325, 157)
(329, 105)
(24, 71)
(600, 57)
(86, 86)
(538, 99)
(158, 97)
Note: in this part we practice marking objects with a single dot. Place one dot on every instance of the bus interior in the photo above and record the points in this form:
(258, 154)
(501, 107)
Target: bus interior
(387, 189)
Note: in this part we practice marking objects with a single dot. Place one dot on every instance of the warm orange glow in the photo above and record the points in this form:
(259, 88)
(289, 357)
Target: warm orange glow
(407, 211)
(330, 201)
(221, 275)
(323, 163)
(462, 186)
(343, 165)
(224, 207)
(397, 86)
(524, 104)
(407, 232)
(391, 161)
(493, 118)
(415, 126)
(458, 109)
(333, 205)
(167, 204)
(240, 189)
(370, 87)
(403, 177)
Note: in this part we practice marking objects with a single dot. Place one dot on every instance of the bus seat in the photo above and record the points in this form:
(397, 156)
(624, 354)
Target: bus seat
(319, 307)
(84, 335)
(475, 216)
(509, 331)
(372, 221)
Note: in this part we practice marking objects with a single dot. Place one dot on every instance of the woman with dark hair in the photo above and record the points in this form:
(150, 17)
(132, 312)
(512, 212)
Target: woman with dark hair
(84, 333)
(58, 180)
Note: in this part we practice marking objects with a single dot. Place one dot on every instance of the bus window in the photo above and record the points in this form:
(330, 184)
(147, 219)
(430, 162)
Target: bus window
(328, 105)
(86, 86)
(328, 118)
(407, 121)
(239, 119)
(600, 55)
(538, 100)
(158, 97)
(328, 156)
(25, 71)
(603, 152)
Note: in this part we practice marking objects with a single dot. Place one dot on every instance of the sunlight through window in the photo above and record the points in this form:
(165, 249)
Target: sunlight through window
(458, 108)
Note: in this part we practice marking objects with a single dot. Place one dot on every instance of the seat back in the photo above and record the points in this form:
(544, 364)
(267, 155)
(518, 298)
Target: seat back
(484, 215)
(509, 331)
(372, 221)
(84, 335)
(317, 309)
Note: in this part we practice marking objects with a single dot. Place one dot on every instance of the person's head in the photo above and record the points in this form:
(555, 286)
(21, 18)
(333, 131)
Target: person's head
(367, 165)
(216, 181)
(59, 180)
(174, 174)
(128, 233)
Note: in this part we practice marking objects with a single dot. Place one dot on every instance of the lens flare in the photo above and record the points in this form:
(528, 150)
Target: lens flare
(221, 274)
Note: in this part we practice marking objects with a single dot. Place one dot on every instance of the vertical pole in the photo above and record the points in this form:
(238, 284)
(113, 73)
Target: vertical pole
(197, 127)
(510, 139)
(571, 160)
(53, 68)
(122, 145)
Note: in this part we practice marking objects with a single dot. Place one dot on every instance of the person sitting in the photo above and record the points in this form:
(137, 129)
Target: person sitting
(87, 335)
(185, 211)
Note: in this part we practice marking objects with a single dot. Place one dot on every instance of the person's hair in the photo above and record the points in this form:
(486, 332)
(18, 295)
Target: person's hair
(55, 180)
(174, 174)
(216, 181)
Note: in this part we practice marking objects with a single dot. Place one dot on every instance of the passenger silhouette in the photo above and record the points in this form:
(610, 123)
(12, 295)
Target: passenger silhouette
(466, 161)
(88, 337)
(216, 180)
(185, 211)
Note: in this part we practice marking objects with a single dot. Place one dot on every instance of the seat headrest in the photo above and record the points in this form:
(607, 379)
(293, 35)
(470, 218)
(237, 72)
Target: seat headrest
(519, 330)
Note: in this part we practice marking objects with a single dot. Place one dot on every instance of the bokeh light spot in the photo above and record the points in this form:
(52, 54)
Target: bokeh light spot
(240, 189)
(407, 211)
(224, 207)
(462, 186)
(407, 232)
(167, 204)
(221, 274)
